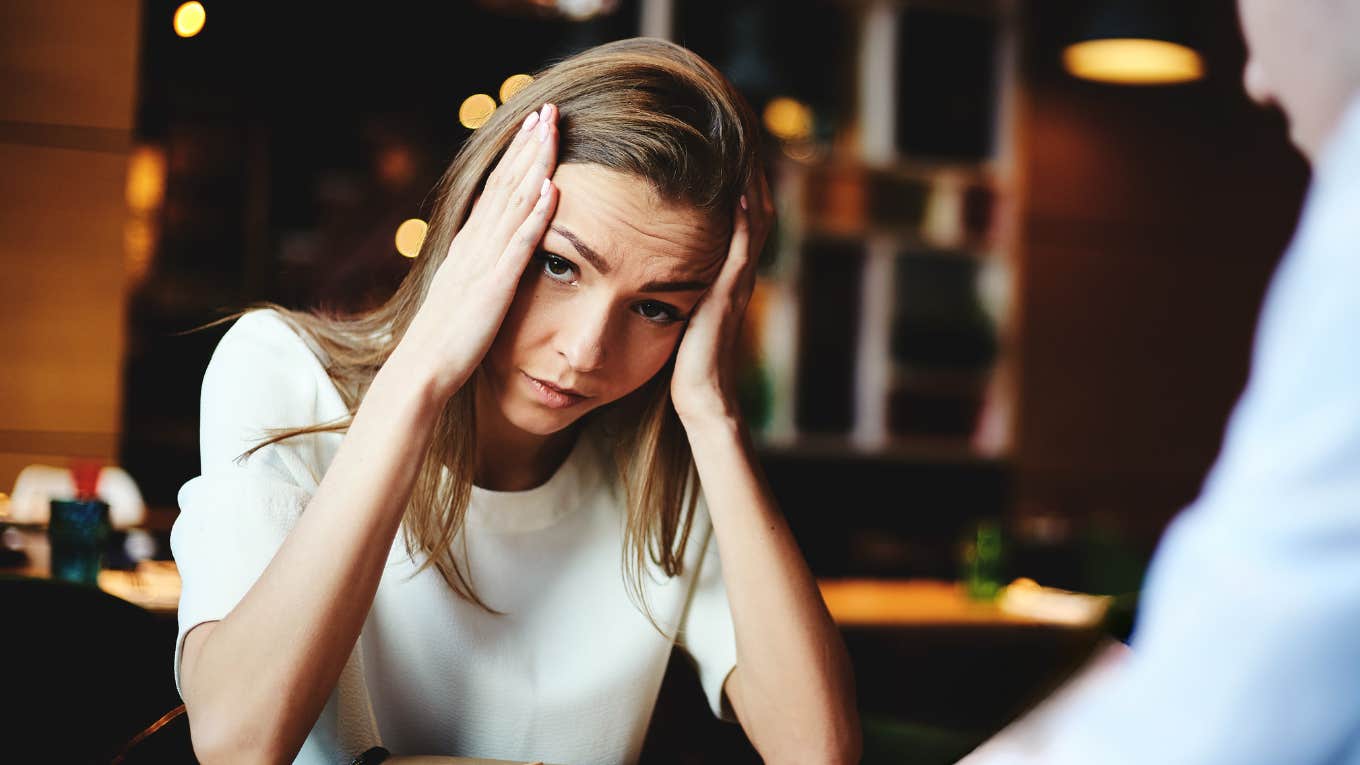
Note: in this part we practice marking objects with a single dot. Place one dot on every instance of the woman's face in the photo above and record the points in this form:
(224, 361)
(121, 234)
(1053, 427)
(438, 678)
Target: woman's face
(603, 303)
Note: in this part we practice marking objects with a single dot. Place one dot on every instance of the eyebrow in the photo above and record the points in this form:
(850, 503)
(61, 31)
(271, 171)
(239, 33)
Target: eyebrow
(603, 267)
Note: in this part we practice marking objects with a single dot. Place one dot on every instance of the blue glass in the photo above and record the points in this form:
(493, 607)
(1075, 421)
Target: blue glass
(78, 532)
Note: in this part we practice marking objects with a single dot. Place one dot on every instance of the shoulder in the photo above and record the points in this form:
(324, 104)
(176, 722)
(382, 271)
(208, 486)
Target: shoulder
(262, 376)
(264, 334)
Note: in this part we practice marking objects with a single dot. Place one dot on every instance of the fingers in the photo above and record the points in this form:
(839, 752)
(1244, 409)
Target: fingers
(503, 176)
(744, 238)
(531, 168)
(536, 140)
(529, 233)
(725, 287)
(506, 180)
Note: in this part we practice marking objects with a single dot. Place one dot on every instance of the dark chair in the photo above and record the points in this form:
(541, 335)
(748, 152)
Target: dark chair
(683, 730)
(83, 672)
(164, 742)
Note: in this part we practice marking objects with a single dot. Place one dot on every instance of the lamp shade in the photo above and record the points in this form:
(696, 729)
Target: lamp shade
(1136, 42)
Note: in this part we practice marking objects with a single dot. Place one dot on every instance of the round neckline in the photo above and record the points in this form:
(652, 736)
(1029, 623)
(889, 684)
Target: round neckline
(518, 512)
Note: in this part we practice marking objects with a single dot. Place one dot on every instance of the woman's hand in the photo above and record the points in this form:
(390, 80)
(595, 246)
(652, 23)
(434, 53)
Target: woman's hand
(472, 290)
(704, 383)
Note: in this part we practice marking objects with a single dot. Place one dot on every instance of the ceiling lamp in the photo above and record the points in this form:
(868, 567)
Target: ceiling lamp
(1135, 42)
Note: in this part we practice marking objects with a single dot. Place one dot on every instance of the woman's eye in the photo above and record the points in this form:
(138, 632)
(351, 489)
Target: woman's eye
(658, 312)
(557, 268)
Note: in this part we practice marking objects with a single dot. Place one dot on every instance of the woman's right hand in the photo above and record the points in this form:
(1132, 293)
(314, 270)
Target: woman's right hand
(473, 287)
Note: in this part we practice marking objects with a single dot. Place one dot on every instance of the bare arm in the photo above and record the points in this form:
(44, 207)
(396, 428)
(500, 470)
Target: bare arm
(255, 682)
(792, 688)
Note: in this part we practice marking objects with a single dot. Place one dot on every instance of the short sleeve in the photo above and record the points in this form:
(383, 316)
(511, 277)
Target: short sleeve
(706, 631)
(234, 515)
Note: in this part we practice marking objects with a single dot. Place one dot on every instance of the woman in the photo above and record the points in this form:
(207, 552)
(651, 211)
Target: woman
(532, 406)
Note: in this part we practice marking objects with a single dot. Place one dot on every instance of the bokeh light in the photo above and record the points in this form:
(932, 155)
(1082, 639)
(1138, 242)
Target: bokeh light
(139, 247)
(410, 236)
(788, 119)
(145, 179)
(476, 110)
(190, 18)
(1133, 62)
(395, 166)
(514, 84)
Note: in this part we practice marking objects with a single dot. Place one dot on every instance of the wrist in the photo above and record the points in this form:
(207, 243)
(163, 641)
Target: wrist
(410, 377)
(712, 425)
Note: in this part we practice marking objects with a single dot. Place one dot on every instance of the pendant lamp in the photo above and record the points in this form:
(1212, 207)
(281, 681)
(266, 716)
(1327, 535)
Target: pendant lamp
(1136, 42)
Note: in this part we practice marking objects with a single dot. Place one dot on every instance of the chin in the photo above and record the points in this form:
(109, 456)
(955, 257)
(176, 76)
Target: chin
(537, 420)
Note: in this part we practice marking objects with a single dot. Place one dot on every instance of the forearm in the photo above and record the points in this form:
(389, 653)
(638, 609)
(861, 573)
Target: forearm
(793, 688)
(259, 678)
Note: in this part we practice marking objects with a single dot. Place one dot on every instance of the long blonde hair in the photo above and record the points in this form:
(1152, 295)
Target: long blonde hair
(645, 107)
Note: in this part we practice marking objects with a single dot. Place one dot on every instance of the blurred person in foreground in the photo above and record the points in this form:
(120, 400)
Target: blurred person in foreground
(1247, 647)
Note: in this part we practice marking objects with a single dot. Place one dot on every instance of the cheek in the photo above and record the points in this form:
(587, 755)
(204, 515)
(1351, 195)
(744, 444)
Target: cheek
(642, 351)
(524, 321)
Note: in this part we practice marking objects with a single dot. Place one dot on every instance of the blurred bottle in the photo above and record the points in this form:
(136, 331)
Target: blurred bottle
(983, 557)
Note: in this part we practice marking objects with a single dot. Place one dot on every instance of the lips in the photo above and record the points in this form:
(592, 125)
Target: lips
(558, 388)
(551, 395)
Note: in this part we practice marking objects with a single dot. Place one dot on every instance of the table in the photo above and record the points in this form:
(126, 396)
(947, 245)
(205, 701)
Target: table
(153, 585)
(923, 602)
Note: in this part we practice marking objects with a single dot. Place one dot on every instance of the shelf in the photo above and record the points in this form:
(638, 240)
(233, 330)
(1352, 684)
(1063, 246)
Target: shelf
(986, 172)
(908, 239)
(898, 449)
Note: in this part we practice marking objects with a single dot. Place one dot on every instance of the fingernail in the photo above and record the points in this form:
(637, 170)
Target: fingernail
(743, 201)
(530, 121)
(543, 191)
(543, 131)
(543, 115)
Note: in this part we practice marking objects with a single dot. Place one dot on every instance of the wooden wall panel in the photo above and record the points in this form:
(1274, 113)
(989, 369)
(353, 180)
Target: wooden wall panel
(67, 107)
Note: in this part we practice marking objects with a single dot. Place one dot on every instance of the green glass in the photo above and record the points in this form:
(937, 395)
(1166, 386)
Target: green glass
(78, 531)
(983, 561)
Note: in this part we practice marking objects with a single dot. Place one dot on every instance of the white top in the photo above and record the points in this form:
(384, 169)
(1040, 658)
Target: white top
(1247, 649)
(569, 674)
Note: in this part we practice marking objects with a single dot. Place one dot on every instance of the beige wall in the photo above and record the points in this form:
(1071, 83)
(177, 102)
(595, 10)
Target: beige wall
(67, 105)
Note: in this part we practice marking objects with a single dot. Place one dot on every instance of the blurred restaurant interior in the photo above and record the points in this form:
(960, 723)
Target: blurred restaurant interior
(997, 332)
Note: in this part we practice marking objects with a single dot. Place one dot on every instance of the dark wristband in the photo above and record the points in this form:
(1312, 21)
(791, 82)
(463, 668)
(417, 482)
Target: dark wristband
(371, 757)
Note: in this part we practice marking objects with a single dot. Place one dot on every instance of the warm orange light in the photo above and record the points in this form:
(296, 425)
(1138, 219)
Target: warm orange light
(395, 166)
(190, 18)
(139, 245)
(145, 179)
(513, 84)
(410, 236)
(476, 110)
(1134, 62)
(788, 119)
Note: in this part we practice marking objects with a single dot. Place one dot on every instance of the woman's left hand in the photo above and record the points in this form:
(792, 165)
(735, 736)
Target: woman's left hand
(704, 383)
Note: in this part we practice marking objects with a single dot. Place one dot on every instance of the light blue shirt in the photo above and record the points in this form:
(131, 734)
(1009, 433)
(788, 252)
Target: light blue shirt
(1247, 649)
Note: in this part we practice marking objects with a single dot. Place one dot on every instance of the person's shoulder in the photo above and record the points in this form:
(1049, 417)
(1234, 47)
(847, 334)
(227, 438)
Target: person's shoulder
(264, 373)
(264, 334)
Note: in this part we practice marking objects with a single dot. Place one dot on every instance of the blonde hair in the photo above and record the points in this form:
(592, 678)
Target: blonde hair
(645, 107)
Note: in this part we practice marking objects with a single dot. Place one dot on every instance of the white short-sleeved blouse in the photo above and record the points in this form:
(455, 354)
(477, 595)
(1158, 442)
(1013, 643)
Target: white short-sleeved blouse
(568, 673)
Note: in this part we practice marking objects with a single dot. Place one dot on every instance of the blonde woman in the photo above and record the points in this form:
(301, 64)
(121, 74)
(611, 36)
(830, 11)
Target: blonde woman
(470, 522)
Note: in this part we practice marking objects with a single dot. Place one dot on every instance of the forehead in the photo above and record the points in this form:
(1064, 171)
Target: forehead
(620, 216)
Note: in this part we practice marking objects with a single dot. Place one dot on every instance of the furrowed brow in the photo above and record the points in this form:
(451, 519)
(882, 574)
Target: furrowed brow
(585, 250)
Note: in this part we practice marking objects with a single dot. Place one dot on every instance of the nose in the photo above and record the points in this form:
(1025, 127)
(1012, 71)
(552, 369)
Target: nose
(1254, 80)
(581, 339)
